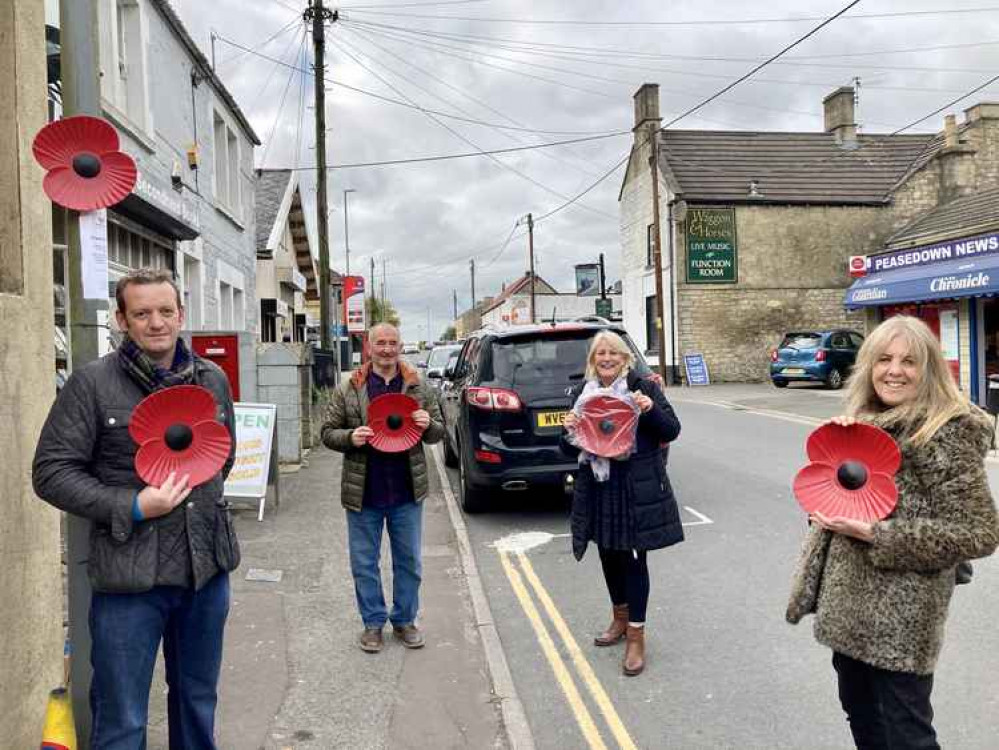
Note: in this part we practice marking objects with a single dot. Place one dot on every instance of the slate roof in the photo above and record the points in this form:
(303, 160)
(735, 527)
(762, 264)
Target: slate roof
(963, 217)
(271, 187)
(711, 165)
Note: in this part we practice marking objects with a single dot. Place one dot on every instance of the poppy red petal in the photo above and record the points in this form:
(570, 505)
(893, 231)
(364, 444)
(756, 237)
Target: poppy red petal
(154, 462)
(815, 487)
(184, 404)
(57, 143)
(833, 444)
(115, 181)
(877, 499)
(386, 439)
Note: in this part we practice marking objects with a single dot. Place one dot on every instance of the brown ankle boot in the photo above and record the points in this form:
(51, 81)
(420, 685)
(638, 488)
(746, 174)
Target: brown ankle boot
(634, 651)
(615, 631)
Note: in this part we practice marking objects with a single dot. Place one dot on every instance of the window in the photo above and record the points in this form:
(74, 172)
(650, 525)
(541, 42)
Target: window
(225, 306)
(857, 340)
(226, 183)
(650, 246)
(231, 315)
(651, 327)
(192, 292)
(124, 69)
(129, 249)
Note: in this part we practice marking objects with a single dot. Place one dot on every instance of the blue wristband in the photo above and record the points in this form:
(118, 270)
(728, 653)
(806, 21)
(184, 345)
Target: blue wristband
(136, 510)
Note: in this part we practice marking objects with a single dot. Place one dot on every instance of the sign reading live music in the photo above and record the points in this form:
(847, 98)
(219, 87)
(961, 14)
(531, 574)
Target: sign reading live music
(353, 303)
(711, 246)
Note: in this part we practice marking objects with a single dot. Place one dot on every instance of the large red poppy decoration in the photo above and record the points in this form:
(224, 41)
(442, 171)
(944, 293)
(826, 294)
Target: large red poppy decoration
(86, 171)
(391, 417)
(606, 426)
(176, 431)
(851, 474)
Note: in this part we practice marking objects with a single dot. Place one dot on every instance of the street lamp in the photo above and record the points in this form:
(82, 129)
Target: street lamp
(346, 231)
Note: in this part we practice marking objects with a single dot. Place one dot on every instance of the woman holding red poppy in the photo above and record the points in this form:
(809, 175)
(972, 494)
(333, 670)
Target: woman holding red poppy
(624, 504)
(880, 591)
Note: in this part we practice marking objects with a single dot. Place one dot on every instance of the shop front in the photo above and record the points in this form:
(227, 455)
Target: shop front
(951, 286)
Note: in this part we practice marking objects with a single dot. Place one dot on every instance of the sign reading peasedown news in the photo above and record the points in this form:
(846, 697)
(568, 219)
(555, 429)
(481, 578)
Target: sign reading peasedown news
(922, 256)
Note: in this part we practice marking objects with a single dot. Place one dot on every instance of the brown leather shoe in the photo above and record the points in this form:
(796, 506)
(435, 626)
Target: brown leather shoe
(410, 635)
(371, 640)
(615, 631)
(634, 651)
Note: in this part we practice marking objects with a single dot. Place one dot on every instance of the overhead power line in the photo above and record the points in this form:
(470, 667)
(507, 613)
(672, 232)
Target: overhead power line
(412, 5)
(712, 22)
(408, 105)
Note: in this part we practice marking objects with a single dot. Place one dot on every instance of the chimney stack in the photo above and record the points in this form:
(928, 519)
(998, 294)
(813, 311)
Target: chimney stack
(957, 163)
(646, 110)
(838, 108)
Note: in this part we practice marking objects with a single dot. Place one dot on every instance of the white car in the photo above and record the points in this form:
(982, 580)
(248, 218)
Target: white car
(410, 349)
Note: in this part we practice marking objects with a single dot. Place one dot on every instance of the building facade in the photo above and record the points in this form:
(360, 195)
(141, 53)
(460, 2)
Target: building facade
(192, 208)
(757, 228)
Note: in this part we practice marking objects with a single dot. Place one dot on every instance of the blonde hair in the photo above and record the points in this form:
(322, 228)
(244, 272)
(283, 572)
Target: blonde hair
(614, 342)
(937, 400)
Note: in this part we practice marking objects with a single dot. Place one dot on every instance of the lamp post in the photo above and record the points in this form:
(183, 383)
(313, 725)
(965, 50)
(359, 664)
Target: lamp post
(346, 231)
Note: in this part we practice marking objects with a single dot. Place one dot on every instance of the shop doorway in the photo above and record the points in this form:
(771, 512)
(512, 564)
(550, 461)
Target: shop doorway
(942, 318)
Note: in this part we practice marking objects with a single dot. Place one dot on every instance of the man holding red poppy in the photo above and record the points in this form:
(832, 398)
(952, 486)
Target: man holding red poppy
(159, 556)
(381, 489)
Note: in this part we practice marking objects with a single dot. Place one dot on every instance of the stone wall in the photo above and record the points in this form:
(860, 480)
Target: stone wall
(31, 585)
(283, 377)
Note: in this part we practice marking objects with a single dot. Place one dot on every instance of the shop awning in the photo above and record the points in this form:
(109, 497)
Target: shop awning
(970, 277)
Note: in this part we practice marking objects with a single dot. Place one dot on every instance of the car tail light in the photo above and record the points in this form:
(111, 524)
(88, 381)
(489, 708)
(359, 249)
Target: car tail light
(494, 399)
(820, 355)
(487, 457)
(773, 355)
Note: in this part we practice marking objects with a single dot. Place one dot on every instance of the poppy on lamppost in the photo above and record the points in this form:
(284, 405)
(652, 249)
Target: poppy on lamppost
(86, 170)
(390, 416)
(177, 431)
(851, 474)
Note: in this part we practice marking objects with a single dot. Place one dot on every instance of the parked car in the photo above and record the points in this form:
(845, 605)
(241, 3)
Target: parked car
(410, 349)
(438, 360)
(816, 356)
(505, 398)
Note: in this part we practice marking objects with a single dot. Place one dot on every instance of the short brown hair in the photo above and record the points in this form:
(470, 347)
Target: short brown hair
(144, 276)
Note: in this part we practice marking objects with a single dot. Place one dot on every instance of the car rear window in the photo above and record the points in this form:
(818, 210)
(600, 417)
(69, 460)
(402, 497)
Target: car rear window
(557, 360)
(801, 341)
(439, 357)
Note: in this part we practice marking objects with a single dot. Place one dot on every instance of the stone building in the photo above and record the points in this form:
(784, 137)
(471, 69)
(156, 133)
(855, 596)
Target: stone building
(757, 227)
(31, 586)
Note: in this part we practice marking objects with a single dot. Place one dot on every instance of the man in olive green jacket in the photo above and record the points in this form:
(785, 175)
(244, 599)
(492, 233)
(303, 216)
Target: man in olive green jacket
(381, 489)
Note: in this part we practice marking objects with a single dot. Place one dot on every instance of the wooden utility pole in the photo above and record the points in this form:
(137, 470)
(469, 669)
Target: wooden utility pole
(471, 266)
(371, 291)
(530, 251)
(318, 16)
(454, 295)
(658, 255)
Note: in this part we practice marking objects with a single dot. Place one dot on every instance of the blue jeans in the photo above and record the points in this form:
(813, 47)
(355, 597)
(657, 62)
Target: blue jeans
(126, 630)
(405, 529)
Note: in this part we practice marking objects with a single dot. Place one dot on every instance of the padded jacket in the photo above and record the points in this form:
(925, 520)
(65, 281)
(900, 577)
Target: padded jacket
(85, 465)
(348, 410)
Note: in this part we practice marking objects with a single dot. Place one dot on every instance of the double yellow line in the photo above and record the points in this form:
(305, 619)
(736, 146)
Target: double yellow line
(511, 561)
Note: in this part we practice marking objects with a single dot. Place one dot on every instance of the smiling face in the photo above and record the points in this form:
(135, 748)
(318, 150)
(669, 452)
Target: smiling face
(385, 347)
(152, 318)
(896, 374)
(608, 363)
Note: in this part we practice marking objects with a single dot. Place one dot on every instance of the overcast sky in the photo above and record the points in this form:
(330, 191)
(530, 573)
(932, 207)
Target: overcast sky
(570, 69)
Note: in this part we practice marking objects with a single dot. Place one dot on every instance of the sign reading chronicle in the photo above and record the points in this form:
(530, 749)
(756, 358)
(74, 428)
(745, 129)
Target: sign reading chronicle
(711, 246)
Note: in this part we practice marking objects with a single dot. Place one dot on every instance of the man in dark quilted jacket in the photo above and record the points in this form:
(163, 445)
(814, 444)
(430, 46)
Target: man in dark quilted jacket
(383, 490)
(159, 557)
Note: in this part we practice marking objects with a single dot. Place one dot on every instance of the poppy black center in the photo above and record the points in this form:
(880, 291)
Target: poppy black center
(607, 426)
(178, 437)
(852, 475)
(394, 421)
(86, 165)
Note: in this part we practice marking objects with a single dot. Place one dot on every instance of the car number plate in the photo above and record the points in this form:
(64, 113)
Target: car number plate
(551, 418)
(793, 371)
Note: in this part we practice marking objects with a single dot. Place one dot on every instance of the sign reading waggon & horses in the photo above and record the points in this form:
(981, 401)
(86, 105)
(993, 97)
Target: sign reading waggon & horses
(712, 255)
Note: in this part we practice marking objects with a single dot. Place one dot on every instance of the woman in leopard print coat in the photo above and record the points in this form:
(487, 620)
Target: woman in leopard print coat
(880, 592)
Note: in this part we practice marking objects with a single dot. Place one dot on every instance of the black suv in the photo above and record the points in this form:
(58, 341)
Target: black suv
(505, 398)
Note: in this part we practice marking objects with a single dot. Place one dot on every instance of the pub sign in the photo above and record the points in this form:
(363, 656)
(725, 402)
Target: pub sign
(712, 255)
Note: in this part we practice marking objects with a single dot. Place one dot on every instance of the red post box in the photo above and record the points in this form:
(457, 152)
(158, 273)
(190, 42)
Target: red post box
(223, 350)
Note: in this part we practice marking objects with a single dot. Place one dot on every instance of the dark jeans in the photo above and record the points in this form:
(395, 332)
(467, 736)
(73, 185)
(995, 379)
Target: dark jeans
(627, 576)
(126, 630)
(886, 710)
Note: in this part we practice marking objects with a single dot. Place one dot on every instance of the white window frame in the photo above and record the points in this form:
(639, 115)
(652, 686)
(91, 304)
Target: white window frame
(230, 313)
(124, 59)
(192, 289)
(227, 188)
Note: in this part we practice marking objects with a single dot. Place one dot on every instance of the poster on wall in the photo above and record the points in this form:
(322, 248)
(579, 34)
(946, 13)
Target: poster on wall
(712, 256)
(353, 303)
(949, 341)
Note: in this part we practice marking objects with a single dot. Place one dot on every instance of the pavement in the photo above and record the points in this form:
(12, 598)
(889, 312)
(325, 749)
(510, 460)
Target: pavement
(293, 676)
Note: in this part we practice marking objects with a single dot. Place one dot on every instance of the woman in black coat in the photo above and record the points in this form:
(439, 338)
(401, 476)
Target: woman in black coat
(624, 505)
